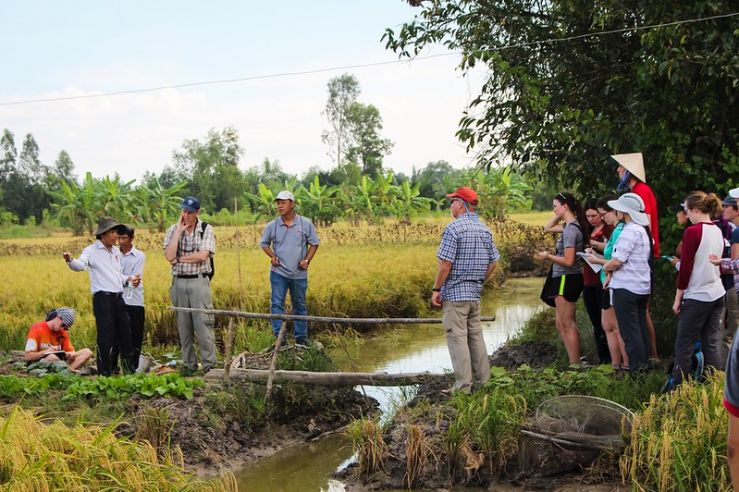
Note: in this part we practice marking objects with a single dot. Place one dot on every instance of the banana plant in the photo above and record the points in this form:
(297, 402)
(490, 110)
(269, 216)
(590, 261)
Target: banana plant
(75, 204)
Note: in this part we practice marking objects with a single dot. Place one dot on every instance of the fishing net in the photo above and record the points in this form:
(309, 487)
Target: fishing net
(569, 432)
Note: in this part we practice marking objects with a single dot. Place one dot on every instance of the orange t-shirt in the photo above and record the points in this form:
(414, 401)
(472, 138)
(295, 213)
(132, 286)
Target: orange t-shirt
(41, 337)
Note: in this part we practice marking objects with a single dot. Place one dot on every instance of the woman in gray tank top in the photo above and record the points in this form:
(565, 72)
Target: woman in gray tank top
(564, 283)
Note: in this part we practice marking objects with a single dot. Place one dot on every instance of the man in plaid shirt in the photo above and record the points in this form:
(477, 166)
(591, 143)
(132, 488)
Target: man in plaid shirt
(467, 257)
(188, 247)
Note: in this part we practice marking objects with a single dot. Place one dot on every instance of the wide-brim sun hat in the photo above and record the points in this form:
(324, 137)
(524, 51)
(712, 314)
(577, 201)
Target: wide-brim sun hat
(105, 224)
(634, 163)
(632, 204)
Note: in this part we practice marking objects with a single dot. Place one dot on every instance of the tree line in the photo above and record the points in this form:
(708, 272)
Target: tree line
(209, 168)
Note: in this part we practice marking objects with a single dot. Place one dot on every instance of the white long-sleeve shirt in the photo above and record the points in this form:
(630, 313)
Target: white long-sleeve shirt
(133, 264)
(104, 266)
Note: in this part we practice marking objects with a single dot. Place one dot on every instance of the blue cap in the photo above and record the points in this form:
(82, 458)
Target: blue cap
(191, 204)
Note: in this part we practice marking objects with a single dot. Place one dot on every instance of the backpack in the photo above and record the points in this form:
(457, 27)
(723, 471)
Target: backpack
(212, 272)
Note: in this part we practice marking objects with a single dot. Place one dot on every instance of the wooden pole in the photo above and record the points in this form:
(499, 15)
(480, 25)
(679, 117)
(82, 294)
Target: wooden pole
(324, 378)
(273, 365)
(321, 319)
(228, 339)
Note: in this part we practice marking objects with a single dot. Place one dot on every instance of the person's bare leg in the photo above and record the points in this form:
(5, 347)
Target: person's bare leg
(732, 451)
(567, 328)
(610, 326)
(80, 357)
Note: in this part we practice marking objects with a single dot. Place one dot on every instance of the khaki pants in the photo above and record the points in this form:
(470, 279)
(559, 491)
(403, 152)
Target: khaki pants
(194, 293)
(466, 343)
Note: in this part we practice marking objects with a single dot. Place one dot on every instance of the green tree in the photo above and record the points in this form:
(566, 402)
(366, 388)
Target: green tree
(162, 203)
(409, 201)
(366, 146)
(75, 205)
(559, 109)
(318, 202)
(213, 165)
(342, 93)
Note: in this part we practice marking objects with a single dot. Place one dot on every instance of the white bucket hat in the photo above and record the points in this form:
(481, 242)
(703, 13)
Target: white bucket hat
(634, 163)
(632, 204)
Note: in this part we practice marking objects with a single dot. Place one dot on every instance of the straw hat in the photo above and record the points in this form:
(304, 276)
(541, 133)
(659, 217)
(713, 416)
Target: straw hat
(634, 163)
(632, 204)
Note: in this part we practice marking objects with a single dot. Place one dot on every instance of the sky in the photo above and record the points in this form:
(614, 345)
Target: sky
(76, 48)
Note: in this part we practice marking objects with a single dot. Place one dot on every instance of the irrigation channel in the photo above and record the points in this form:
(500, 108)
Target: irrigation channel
(418, 348)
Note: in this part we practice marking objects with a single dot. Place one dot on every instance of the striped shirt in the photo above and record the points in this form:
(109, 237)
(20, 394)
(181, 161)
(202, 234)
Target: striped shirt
(190, 243)
(468, 244)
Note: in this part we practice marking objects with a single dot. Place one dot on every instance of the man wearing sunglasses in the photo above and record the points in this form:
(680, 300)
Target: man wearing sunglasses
(467, 257)
(48, 340)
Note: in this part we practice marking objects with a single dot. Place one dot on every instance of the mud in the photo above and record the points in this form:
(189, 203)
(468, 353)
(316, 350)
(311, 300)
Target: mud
(535, 465)
(213, 440)
(223, 428)
(535, 354)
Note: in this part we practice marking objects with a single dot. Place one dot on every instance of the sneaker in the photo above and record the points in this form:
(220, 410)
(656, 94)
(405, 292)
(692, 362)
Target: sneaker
(302, 343)
(283, 344)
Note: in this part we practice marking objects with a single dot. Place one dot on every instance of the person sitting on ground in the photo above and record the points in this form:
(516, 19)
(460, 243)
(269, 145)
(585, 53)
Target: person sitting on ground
(49, 340)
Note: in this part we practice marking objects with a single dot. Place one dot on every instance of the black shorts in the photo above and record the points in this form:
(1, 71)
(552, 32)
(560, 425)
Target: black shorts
(605, 303)
(568, 286)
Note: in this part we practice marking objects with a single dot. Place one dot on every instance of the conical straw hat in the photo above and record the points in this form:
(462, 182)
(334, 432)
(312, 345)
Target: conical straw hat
(634, 163)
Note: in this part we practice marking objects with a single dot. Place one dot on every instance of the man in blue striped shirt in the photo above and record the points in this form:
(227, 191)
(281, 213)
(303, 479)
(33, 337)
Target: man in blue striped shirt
(467, 257)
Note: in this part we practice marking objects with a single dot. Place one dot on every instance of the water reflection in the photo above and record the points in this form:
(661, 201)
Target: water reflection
(402, 349)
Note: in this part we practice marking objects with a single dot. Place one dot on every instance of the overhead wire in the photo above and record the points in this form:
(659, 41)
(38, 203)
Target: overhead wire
(361, 65)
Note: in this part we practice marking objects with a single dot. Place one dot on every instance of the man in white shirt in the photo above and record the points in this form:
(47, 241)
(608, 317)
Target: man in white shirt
(102, 259)
(132, 264)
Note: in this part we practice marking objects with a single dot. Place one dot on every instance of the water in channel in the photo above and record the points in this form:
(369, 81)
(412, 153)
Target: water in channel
(308, 467)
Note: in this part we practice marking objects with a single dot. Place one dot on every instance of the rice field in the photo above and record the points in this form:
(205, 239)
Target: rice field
(380, 270)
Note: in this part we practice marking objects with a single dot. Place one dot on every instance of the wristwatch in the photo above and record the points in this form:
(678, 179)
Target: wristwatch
(436, 290)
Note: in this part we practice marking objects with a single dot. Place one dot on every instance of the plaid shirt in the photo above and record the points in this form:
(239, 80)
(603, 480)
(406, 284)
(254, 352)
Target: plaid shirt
(190, 243)
(468, 244)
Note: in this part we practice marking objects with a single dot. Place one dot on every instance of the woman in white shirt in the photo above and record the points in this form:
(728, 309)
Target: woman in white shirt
(699, 298)
(629, 277)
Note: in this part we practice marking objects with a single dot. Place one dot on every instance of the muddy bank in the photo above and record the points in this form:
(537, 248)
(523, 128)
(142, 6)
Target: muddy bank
(216, 431)
(438, 441)
(222, 427)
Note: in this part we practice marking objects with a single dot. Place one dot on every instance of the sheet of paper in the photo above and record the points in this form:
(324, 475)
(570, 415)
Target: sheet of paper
(596, 267)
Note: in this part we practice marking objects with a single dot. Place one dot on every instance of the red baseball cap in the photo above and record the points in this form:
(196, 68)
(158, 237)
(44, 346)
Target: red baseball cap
(464, 193)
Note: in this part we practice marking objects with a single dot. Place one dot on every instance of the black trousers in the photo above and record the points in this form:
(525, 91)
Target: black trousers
(113, 329)
(698, 320)
(593, 297)
(137, 315)
(631, 313)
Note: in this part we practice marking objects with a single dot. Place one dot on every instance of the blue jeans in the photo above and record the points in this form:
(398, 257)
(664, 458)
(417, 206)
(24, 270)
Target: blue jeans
(297, 287)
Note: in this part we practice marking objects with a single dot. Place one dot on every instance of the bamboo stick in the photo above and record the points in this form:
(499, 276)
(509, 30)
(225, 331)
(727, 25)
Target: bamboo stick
(320, 319)
(273, 365)
(324, 378)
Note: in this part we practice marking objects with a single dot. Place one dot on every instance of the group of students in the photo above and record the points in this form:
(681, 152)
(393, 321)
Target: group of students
(606, 251)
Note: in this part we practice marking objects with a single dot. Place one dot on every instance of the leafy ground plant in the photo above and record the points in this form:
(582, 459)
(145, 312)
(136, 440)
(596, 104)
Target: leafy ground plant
(120, 387)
